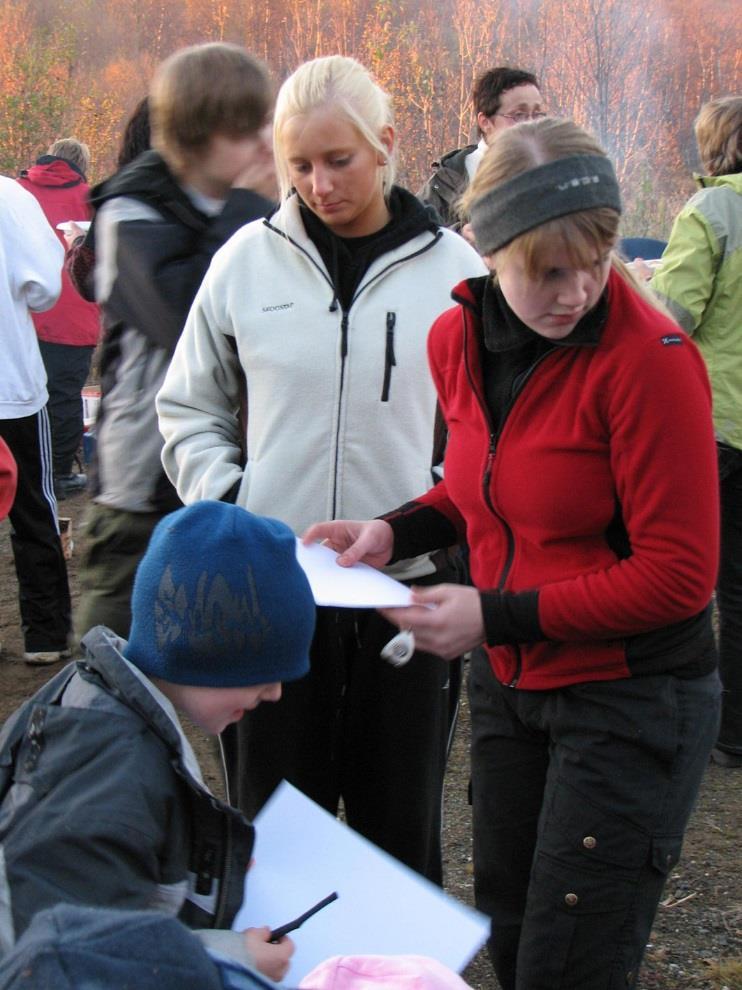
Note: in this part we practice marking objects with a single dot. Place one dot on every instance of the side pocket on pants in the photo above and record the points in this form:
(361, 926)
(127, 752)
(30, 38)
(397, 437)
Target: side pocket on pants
(586, 879)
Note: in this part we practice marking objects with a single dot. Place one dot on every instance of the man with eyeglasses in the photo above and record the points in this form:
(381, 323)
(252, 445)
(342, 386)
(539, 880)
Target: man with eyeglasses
(501, 97)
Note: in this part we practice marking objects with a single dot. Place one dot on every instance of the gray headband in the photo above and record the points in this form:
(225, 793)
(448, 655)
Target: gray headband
(544, 193)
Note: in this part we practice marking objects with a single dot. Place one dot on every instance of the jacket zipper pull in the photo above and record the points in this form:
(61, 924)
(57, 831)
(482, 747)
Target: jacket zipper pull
(344, 336)
(389, 359)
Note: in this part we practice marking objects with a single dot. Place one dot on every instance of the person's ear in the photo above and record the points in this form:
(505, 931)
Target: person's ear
(485, 125)
(387, 139)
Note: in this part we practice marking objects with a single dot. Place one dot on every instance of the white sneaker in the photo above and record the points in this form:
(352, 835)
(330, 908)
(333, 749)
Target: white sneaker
(46, 656)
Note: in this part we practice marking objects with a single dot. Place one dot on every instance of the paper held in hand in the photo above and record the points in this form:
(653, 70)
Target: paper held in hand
(64, 226)
(359, 586)
(383, 907)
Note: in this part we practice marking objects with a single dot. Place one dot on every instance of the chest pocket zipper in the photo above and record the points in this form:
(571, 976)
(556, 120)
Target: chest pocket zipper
(389, 359)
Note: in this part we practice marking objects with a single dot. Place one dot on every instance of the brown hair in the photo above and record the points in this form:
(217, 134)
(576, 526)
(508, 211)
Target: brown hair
(490, 85)
(718, 130)
(521, 148)
(73, 151)
(136, 137)
(205, 90)
(583, 235)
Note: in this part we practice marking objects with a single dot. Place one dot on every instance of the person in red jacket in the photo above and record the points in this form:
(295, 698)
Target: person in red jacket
(68, 332)
(580, 468)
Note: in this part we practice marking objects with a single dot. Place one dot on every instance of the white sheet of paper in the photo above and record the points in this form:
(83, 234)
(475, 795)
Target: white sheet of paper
(302, 854)
(64, 226)
(359, 586)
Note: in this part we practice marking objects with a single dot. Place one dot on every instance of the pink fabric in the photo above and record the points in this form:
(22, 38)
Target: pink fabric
(372, 972)
(8, 478)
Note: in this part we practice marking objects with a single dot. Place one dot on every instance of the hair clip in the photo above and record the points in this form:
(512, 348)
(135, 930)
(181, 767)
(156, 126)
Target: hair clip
(399, 649)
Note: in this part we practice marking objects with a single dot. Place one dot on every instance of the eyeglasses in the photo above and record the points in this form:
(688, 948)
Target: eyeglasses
(522, 116)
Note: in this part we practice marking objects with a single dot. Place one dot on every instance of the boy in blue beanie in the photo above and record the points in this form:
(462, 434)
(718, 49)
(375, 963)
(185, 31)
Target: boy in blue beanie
(102, 802)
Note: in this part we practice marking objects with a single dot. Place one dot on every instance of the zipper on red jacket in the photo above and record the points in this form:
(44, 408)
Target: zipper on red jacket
(486, 480)
(491, 452)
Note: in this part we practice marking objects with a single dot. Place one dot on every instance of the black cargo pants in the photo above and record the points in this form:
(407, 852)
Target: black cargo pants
(581, 796)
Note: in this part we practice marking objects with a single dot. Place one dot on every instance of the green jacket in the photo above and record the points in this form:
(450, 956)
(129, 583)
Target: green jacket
(700, 280)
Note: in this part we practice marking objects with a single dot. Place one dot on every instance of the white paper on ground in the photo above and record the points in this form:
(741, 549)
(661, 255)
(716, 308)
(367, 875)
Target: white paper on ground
(302, 854)
(359, 586)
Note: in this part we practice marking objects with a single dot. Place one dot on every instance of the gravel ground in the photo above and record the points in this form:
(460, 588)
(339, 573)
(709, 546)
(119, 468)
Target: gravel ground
(696, 943)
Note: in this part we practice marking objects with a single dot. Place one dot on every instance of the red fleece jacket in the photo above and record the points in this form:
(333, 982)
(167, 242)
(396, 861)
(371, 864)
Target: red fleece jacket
(62, 193)
(624, 426)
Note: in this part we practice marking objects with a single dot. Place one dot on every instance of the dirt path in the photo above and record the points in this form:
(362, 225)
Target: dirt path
(696, 943)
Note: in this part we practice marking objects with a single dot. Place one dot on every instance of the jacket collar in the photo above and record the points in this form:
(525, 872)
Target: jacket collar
(106, 664)
(456, 159)
(286, 221)
(149, 178)
(50, 170)
(348, 259)
(503, 331)
(734, 181)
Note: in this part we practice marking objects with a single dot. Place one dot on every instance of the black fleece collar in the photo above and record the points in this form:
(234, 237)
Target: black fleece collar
(348, 258)
(502, 330)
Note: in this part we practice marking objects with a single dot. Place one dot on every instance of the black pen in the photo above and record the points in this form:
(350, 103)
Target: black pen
(291, 926)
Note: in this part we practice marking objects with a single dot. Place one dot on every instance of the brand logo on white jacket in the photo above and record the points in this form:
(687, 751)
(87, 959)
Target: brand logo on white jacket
(272, 309)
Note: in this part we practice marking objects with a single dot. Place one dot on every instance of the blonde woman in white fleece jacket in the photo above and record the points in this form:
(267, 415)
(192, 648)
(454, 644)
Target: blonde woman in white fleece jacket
(324, 311)
(31, 259)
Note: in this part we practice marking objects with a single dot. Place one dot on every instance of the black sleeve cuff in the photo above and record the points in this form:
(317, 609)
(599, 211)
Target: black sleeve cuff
(419, 529)
(511, 617)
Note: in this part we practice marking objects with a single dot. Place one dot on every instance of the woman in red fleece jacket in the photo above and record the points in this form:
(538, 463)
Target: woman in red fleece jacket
(580, 471)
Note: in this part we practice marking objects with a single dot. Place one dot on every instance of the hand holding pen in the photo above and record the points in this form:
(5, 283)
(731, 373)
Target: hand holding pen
(290, 926)
(270, 957)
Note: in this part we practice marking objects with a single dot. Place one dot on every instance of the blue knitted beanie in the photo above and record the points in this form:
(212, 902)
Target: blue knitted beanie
(220, 600)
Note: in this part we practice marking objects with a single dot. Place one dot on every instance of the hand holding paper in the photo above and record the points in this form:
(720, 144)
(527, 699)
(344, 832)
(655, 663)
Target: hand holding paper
(384, 908)
(359, 586)
(445, 619)
(371, 542)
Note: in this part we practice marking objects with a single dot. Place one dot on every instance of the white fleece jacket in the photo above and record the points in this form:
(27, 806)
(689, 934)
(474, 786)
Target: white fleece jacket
(31, 259)
(321, 442)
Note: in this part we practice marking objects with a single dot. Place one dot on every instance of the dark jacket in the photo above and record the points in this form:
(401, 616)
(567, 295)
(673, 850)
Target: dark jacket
(68, 948)
(146, 284)
(62, 193)
(101, 804)
(446, 185)
(591, 512)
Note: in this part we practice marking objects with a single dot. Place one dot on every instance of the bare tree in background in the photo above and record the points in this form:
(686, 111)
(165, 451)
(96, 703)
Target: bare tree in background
(636, 74)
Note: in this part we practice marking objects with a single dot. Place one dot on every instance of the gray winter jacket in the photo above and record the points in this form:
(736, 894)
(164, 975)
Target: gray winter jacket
(101, 803)
(446, 185)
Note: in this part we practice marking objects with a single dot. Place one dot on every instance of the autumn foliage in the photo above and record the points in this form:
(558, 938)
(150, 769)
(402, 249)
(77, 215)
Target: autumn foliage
(634, 73)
